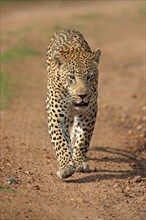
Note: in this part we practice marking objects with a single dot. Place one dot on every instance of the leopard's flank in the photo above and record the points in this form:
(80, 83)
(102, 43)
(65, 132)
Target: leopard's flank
(71, 103)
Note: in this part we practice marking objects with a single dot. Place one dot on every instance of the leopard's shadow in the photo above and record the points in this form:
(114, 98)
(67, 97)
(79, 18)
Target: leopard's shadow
(137, 165)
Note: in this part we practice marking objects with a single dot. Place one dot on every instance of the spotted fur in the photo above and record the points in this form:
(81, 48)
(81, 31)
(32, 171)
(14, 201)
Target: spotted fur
(71, 99)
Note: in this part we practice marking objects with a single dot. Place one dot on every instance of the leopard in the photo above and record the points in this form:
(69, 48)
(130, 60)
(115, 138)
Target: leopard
(72, 99)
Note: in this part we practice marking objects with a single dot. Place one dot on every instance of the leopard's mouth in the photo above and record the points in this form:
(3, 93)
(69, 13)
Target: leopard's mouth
(80, 104)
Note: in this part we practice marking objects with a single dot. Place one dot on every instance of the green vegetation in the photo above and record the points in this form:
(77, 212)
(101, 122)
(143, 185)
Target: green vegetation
(141, 10)
(24, 1)
(16, 1)
(56, 27)
(20, 31)
(17, 52)
(6, 89)
(6, 189)
(88, 16)
(7, 82)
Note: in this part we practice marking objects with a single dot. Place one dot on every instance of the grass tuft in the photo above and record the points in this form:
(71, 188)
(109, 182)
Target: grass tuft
(6, 189)
(6, 89)
(18, 52)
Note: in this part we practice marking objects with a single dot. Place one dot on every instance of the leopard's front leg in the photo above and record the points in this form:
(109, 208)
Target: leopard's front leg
(81, 135)
(60, 139)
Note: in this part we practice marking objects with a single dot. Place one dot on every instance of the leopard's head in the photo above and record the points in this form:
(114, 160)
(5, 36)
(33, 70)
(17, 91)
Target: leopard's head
(79, 76)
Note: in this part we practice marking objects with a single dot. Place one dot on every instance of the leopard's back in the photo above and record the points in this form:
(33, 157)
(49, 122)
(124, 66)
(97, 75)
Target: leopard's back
(66, 42)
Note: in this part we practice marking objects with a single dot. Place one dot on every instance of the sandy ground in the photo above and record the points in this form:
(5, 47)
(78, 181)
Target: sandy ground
(116, 188)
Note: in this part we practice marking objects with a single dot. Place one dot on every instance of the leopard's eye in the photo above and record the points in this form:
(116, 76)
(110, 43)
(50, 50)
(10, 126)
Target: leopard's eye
(71, 77)
(90, 77)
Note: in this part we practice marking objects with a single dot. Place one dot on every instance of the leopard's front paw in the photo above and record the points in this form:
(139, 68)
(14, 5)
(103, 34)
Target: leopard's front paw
(66, 171)
(83, 167)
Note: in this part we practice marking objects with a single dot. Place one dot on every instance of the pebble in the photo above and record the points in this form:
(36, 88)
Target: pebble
(130, 132)
(36, 187)
(9, 164)
(116, 185)
(12, 180)
(144, 108)
(19, 168)
(105, 106)
(51, 173)
(139, 127)
(123, 119)
(128, 180)
(136, 179)
(127, 188)
(142, 135)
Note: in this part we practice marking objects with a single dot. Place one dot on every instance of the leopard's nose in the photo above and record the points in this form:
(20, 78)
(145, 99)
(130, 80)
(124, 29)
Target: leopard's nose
(82, 96)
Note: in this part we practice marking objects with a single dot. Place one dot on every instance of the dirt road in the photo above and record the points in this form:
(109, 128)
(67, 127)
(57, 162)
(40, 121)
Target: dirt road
(116, 189)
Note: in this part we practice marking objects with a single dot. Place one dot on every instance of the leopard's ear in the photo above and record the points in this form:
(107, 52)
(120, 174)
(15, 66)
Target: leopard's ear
(96, 55)
(60, 59)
